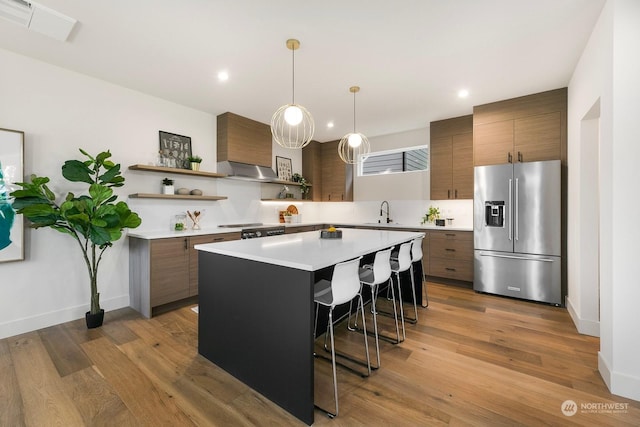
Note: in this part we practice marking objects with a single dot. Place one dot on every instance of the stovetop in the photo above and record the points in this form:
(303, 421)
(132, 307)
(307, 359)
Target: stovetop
(244, 225)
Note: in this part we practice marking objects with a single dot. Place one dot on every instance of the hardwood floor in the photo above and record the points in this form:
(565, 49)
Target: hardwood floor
(472, 359)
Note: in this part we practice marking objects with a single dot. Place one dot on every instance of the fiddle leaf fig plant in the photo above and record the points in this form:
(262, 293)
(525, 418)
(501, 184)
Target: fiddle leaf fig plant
(94, 220)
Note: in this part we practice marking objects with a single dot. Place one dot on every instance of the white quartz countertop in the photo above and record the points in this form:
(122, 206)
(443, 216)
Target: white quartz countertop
(164, 234)
(307, 251)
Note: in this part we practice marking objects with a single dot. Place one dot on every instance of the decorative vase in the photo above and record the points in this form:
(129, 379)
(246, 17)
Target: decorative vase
(195, 166)
(168, 189)
(94, 320)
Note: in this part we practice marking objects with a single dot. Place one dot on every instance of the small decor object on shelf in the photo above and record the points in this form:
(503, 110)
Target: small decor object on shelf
(196, 192)
(431, 215)
(287, 216)
(177, 148)
(283, 167)
(167, 186)
(331, 233)
(195, 162)
(195, 218)
(304, 184)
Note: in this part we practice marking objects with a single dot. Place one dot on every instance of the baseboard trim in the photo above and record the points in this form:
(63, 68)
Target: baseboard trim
(619, 384)
(585, 327)
(44, 320)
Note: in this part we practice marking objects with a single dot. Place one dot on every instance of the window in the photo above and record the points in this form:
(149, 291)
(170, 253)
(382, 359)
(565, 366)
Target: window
(395, 161)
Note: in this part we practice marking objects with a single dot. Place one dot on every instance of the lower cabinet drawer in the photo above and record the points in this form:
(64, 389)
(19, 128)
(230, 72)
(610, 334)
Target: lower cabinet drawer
(451, 268)
(455, 249)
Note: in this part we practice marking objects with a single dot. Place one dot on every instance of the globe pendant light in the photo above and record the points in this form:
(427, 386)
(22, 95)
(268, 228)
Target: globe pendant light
(291, 125)
(353, 145)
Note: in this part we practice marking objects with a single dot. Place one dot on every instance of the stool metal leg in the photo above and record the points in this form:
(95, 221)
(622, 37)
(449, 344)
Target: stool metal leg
(426, 292)
(404, 334)
(413, 292)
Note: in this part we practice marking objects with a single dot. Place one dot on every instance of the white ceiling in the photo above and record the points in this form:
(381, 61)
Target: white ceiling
(410, 57)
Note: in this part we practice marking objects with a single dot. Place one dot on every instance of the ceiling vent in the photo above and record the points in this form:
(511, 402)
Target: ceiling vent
(37, 18)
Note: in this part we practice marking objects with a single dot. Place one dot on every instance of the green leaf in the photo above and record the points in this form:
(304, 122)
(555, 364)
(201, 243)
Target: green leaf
(109, 175)
(98, 235)
(100, 158)
(76, 171)
(100, 193)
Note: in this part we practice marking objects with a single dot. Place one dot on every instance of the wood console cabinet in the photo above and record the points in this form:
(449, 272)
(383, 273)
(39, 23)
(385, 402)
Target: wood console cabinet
(451, 255)
(525, 129)
(163, 271)
(452, 158)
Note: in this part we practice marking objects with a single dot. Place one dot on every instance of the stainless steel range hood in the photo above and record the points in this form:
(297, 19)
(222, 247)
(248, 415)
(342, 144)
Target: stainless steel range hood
(246, 171)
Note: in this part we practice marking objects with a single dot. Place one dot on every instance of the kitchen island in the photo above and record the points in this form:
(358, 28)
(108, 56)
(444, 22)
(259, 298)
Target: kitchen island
(256, 307)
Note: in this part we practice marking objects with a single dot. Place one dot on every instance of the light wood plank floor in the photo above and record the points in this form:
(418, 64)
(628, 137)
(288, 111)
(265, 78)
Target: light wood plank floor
(471, 360)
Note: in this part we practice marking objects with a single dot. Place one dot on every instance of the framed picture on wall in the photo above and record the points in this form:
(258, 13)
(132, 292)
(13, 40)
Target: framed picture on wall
(11, 171)
(175, 150)
(283, 166)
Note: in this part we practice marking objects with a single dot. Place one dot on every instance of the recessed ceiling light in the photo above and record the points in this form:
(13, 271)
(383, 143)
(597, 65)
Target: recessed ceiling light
(463, 93)
(330, 124)
(223, 76)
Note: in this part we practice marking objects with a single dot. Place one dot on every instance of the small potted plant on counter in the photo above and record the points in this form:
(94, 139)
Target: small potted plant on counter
(195, 162)
(94, 219)
(431, 215)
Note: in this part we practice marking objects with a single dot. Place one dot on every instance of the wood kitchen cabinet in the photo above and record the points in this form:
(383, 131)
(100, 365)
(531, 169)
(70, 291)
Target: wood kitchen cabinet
(164, 271)
(451, 156)
(332, 178)
(243, 140)
(450, 255)
(525, 129)
(301, 228)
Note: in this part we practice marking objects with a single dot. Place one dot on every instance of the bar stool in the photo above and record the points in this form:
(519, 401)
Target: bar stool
(399, 265)
(416, 255)
(343, 287)
(374, 275)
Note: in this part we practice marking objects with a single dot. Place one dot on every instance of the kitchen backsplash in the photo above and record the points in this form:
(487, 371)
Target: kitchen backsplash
(244, 206)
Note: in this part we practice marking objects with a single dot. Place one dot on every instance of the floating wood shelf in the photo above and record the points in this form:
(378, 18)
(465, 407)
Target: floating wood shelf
(174, 196)
(278, 181)
(163, 169)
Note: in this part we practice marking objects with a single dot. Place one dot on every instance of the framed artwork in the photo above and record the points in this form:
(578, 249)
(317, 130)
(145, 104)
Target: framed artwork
(175, 150)
(283, 166)
(11, 171)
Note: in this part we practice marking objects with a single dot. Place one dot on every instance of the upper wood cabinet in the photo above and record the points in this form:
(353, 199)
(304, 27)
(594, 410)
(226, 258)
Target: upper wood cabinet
(525, 129)
(332, 178)
(451, 156)
(243, 140)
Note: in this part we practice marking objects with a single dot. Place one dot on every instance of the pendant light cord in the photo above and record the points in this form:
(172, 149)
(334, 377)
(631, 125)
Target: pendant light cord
(354, 112)
(293, 74)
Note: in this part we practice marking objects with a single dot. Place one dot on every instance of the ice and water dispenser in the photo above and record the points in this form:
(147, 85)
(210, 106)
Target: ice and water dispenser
(494, 214)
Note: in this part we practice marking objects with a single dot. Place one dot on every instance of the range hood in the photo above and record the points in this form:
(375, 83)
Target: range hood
(247, 171)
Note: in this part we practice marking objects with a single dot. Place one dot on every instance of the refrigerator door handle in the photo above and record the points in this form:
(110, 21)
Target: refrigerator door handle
(516, 257)
(517, 209)
(510, 226)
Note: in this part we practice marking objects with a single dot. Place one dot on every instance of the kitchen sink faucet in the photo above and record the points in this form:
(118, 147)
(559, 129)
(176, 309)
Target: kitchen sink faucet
(387, 211)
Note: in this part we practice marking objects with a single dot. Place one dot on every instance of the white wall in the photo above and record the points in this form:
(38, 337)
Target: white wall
(61, 111)
(607, 76)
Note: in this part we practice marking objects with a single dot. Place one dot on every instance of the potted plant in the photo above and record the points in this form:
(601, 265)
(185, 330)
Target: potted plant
(167, 186)
(94, 220)
(195, 162)
(431, 215)
(304, 184)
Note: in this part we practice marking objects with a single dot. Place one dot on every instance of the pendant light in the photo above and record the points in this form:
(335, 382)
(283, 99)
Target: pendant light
(353, 145)
(291, 125)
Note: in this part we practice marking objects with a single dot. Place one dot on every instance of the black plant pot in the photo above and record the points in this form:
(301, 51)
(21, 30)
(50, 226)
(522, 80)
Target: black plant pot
(94, 320)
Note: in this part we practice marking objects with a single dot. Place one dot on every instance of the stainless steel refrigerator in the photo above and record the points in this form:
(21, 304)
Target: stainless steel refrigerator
(517, 230)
